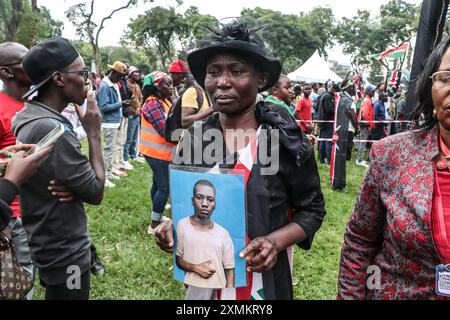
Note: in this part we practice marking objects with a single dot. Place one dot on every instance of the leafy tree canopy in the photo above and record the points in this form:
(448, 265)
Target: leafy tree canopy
(26, 22)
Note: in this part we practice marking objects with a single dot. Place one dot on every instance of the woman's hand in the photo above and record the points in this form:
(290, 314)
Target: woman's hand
(261, 255)
(164, 236)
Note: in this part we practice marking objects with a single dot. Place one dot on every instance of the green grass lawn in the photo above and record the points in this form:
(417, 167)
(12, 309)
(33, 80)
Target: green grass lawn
(137, 269)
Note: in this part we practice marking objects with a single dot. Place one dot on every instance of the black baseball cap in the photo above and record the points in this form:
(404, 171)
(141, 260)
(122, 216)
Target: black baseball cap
(45, 58)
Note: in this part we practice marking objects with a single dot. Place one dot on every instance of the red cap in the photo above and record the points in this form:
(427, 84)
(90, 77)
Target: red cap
(179, 66)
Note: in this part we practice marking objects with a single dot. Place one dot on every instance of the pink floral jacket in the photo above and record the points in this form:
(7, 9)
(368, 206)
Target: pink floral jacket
(390, 231)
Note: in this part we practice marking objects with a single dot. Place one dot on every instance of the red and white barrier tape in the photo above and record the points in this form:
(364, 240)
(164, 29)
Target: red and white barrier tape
(331, 121)
(355, 141)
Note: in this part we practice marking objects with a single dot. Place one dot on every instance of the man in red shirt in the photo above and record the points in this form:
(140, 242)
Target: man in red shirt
(303, 111)
(366, 113)
(15, 85)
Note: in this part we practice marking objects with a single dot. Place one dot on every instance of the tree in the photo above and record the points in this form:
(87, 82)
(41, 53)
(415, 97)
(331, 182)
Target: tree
(399, 20)
(155, 32)
(356, 35)
(196, 30)
(81, 16)
(26, 23)
(363, 35)
(321, 21)
(38, 25)
(128, 55)
(289, 37)
(11, 12)
(85, 50)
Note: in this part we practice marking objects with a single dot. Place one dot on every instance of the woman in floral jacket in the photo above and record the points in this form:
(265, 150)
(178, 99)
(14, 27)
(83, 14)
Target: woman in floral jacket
(399, 234)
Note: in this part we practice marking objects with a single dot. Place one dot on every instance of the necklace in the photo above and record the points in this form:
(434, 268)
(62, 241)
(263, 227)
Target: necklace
(444, 156)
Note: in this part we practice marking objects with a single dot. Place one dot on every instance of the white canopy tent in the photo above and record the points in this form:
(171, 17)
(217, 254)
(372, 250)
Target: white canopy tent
(316, 69)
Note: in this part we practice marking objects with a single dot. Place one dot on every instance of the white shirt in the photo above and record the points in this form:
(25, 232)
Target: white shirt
(71, 114)
(353, 107)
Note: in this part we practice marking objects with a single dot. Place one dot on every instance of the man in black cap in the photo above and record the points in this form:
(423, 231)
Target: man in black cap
(58, 236)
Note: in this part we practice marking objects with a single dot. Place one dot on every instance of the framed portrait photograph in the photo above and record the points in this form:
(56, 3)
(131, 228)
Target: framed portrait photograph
(209, 218)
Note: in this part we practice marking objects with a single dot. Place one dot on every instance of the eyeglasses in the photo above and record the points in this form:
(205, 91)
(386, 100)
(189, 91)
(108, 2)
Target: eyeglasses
(12, 64)
(83, 73)
(441, 78)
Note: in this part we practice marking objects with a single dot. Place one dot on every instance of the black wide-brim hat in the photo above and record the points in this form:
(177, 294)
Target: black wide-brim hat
(198, 59)
(45, 58)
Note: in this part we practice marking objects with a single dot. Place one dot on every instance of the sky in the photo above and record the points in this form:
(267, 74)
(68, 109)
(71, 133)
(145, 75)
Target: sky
(115, 27)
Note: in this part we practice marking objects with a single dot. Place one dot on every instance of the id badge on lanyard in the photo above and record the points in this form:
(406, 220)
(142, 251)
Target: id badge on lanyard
(442, 270)
(443, 280)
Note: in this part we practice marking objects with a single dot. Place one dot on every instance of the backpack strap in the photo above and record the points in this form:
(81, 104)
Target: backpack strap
(200, 98)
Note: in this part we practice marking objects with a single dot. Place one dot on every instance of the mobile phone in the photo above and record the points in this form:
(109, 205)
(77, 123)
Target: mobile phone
(3, 168)
(48, 139)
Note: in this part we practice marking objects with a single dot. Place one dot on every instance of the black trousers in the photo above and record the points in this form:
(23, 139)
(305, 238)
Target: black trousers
(340, 162)
(350, 144)
(377, 133)
(63, 292)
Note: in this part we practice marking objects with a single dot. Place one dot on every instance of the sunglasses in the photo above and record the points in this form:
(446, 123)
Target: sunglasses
(83, 73)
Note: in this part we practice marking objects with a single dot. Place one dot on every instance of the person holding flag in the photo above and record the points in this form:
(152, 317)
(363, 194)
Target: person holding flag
(344, 117)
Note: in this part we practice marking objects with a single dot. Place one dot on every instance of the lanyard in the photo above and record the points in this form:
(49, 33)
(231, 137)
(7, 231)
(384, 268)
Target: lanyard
(441, 225)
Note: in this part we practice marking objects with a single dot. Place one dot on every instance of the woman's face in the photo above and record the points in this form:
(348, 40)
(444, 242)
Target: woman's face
(233, 83)
(284, 91)
(165, 87)
(440, 93)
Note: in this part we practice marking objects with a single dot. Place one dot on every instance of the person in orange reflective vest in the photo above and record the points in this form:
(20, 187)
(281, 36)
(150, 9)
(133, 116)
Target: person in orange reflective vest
(157, 91)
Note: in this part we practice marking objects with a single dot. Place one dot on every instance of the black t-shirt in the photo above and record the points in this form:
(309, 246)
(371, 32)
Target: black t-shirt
(326, 109)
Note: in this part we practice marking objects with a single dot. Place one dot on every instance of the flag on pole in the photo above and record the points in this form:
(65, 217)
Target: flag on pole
(394, 79)
(394, 53)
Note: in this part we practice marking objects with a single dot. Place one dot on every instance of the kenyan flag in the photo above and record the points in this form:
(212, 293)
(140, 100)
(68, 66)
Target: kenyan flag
(394, 53)
(394, 79)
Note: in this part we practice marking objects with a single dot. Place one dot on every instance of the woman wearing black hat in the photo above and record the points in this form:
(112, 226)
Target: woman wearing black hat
(233, 68)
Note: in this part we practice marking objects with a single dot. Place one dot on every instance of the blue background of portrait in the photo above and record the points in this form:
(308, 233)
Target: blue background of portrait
(229, 212)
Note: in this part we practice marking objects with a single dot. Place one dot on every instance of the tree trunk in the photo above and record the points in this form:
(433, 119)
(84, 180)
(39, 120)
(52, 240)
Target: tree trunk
(34, 27)
(12, 26)
(34, 5)
(97, 58)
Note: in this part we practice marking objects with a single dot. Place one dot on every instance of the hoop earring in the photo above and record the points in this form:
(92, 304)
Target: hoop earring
(434, 114)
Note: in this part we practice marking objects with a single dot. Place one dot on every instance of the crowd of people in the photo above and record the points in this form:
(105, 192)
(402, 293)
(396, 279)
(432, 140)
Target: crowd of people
(232, 84)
